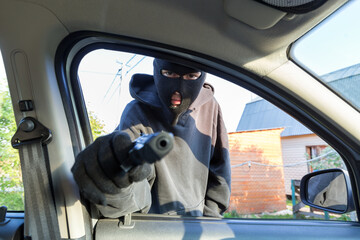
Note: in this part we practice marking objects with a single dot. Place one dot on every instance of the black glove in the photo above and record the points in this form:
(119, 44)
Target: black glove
(97, 168)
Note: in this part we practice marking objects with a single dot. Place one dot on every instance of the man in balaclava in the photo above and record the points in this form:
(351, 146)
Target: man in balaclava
(177, 86)
(193, 179)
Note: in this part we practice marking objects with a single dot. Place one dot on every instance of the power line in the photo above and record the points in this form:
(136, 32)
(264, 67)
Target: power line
(118, 73)
(118, 88)
(129, 64)
(135, 65)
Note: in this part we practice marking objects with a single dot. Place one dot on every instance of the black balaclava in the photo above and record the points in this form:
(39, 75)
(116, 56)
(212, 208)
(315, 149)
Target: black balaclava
(188, 89)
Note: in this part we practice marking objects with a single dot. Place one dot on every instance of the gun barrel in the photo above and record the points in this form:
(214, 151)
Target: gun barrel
(149, 148)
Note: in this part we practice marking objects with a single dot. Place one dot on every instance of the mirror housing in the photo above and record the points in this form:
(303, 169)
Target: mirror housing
(328, 190)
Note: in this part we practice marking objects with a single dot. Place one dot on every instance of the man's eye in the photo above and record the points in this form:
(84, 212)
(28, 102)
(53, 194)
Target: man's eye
(192, 76)
(169, 74)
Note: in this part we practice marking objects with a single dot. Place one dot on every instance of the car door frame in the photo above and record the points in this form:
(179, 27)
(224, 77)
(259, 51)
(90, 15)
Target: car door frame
(78, 44)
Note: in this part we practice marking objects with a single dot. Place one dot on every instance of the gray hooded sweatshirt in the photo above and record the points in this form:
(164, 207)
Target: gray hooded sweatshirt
(194, 178)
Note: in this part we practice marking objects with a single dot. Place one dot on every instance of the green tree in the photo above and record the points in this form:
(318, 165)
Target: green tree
(97, 126)
(11, 188)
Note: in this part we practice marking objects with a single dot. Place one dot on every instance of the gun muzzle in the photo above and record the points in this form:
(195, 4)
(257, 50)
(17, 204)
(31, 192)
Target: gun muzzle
(149, 148)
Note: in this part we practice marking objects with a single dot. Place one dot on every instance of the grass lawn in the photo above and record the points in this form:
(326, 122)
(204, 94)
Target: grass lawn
(287, 214)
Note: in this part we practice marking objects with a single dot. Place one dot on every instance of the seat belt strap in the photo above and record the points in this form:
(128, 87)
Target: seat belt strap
(41, 221)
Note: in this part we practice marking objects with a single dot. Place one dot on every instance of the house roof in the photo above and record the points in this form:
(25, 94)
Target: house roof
(346, 81)
(342, 73)
(261, 114)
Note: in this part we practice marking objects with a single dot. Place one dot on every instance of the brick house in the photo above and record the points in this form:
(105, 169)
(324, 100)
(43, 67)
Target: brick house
(256, 182)
(298, 143)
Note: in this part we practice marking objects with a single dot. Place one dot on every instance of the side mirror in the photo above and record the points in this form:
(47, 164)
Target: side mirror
(327, 190)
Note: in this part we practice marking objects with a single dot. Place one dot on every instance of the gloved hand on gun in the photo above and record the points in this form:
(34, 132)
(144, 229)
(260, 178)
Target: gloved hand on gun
(113, 162)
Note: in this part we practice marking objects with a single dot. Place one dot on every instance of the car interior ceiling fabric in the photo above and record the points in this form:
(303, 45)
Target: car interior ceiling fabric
(295, 6)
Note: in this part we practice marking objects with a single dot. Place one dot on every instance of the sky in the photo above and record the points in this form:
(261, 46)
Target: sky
(334, 44)
(331, 46)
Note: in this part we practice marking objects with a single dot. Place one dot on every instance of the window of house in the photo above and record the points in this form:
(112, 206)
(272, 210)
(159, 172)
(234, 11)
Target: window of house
(314, 151)
(11, 187)
(265, 155)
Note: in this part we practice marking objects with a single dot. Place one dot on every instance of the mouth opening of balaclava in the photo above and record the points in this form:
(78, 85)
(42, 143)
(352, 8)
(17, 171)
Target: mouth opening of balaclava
(166, 86)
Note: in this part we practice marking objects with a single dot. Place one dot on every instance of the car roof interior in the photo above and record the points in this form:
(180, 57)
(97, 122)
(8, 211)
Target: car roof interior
(252, 35)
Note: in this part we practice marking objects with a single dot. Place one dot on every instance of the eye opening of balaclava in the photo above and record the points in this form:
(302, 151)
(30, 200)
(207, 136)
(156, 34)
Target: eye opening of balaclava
(166, 87)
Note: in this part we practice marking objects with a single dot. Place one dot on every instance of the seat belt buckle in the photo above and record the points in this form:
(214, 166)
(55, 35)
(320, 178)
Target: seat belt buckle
(30, 131)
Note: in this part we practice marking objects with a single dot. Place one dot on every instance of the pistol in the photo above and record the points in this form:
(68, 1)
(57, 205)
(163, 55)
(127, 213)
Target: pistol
(149, 148)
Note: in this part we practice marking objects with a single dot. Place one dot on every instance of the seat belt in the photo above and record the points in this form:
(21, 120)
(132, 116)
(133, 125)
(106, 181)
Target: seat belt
(41, 220)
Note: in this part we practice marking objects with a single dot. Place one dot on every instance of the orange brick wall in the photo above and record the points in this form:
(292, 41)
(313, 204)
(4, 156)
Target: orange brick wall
(257, 189)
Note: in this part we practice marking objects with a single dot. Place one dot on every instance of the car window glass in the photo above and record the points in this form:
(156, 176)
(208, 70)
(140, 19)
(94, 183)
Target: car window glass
(11, 187)
(331, 52)
(269, 150)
